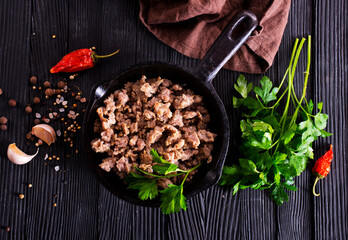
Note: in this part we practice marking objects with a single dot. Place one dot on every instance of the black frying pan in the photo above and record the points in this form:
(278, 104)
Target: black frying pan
(199, 80)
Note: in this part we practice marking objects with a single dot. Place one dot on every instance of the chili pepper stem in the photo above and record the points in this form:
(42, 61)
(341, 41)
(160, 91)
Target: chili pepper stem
(315, 183)
(104, 56)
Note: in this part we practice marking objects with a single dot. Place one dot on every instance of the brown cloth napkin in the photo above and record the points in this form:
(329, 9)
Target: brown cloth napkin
(191, 27)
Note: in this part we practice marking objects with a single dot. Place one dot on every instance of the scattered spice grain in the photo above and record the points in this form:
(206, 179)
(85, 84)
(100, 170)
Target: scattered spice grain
(28, 109)
(47, 84)
(21, 196)
(3, 120)
(33, 79)
(12, 103)
(3, 127)
(61, 84)
(37, 100)
(28, 136)
(49, 92)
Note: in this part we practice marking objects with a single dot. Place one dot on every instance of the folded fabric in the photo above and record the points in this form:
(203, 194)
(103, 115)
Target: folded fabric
(191, 27)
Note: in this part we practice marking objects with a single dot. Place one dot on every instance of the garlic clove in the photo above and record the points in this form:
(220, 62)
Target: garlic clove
(45, 132)
(17, 156)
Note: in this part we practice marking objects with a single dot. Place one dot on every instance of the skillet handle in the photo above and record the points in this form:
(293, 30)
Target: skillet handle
(226, 45)
(101, 90)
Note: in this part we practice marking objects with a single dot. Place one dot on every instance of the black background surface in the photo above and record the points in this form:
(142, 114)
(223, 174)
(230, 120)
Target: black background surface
(85, 209)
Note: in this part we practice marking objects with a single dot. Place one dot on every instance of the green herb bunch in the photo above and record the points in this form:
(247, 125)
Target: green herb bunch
(172, 198)
(275, 145)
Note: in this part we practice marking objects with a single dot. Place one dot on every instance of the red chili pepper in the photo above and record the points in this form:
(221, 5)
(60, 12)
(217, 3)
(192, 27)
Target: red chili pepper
(322, 167)
(78, 60)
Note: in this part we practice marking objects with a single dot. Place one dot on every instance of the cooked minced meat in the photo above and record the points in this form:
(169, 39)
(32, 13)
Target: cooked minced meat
(153, 113)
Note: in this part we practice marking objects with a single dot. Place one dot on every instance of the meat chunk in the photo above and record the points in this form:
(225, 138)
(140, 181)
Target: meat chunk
(206, 136)
(123, 165)
(147, 89)
(183, 101)
(98, 145)
(133, 141)
(164, 182)
(107, 134)
(162, 111)
(122, 98)
(153, 114)
(173, 136)
(190, 114)
(149, 115)
(177, 119)
(155, 134)
(108, 164)
(180, 144)
(121, 142)
(165, 94)
(191, 137)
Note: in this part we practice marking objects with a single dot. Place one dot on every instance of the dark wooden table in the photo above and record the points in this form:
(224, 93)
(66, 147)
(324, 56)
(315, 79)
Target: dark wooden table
(87, 210)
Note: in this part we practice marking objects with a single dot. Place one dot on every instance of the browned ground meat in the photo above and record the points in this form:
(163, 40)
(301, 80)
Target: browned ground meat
(153, 113)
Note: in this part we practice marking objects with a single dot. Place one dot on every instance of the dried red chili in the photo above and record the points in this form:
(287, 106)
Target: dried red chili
(322, 167)
(78, 60)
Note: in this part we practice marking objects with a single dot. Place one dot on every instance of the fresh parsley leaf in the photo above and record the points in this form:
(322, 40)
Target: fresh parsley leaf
(325, 134)
(299, 163)
(278, 194)
(289, 184)
(172, 199)
(320, 120)
(237, 102)
(147, 186)
(165, 168)
(309, 130)
(289, 134)
(242, 86)
(148, 191)
(252, 104)
(310, 106)
(156, 157)
(266, 93)
(229, 175)
(247, 166)
(262, 126)
(320, 106)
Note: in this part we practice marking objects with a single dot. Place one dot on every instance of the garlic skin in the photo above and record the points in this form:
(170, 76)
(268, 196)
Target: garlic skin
(45, 132)
(17, 156)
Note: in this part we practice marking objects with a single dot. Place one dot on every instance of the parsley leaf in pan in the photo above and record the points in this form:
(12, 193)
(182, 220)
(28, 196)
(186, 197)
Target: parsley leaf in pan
(172, 198)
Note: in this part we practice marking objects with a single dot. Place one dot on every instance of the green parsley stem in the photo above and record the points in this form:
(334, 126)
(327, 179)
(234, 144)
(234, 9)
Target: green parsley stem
(167, 176)
(293, 64)
(304, 84)
(284, 77)
(147, 173)
(188, 172)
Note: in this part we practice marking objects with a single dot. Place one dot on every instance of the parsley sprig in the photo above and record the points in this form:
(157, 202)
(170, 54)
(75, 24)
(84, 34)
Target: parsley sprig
(275, 145)
(172, 198)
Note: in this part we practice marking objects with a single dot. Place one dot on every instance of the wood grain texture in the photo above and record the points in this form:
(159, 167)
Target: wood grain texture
(331, 78)
(87, 210)
(14, 59)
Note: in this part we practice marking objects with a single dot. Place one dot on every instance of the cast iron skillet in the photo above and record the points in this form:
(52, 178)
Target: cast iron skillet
(199, 80)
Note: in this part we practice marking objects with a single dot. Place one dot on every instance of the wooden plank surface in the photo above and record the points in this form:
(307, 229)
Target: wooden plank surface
(87, 210)
(331, 86)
